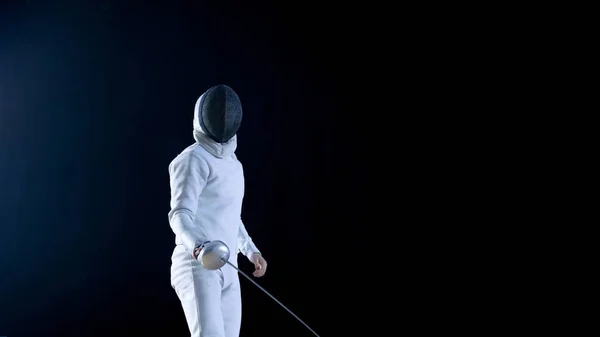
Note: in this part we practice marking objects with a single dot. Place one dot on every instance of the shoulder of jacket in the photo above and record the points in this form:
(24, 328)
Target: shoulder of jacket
(191, 152)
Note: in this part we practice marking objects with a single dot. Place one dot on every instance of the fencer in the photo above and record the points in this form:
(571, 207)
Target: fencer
(207, 190)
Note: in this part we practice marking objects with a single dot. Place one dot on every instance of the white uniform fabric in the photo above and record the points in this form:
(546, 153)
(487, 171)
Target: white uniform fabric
(211, 303)
(207, 189)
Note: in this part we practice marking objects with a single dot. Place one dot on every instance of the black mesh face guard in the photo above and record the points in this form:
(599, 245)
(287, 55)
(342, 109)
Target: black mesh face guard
(220, 114)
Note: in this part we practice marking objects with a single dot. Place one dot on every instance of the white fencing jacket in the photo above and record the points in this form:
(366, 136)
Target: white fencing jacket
(207, 189)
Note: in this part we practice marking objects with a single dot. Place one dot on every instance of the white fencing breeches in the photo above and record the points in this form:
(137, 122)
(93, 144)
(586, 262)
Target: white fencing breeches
(211, 302)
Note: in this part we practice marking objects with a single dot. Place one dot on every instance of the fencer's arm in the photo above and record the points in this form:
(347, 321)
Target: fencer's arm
(188, 176)
(245, 244)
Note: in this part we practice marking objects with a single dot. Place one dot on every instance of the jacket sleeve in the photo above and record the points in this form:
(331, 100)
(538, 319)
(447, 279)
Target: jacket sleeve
(188, 176)
(245, 244)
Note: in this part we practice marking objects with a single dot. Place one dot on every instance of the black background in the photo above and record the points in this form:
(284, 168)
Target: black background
(96, 98)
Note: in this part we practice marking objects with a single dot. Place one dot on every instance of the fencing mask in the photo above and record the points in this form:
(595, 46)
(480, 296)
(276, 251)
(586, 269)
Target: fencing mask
(218, 113)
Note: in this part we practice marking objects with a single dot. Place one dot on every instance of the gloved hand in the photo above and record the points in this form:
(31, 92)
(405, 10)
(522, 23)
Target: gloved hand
(198, 248)
(260, 264)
